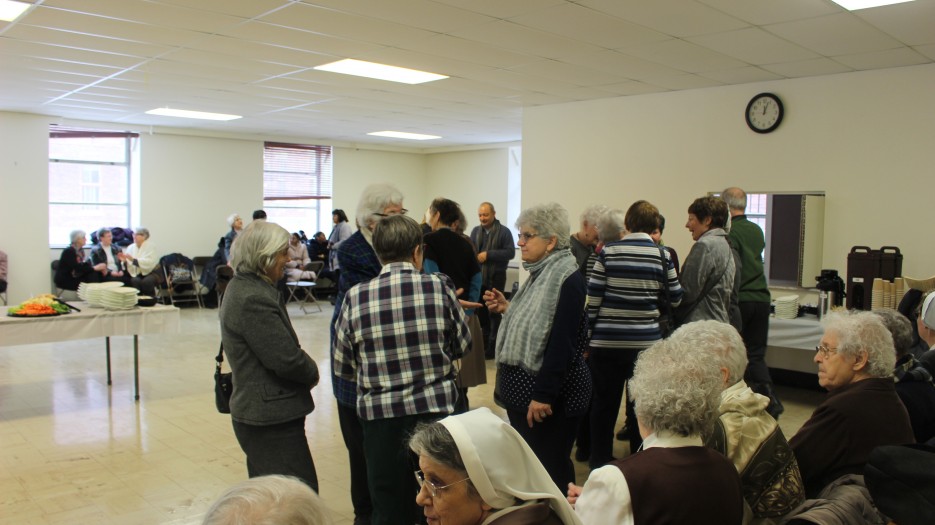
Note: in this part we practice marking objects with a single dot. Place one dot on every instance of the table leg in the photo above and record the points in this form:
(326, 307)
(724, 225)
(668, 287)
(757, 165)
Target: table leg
(107, 339)
(136, 367)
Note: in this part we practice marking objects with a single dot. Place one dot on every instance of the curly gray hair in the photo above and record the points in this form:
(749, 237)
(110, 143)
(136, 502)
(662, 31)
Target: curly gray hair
(900, 328)
(675, 389)
(75, 235)
(611, 226)
(232, 218)
(548, 220)
(255, 249)
(592, 213)
(268, 499)
(720, 341)
(859, 331)
(374, 199)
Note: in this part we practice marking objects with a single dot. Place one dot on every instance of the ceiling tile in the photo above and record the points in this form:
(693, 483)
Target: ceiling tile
(87, 42)
(238, 8)
(424, 14)
(841, 34)
(571, 73)
(471, 51)
(927, 50)
(754, 46)
(326, 47)
(679, 18)
(526, 40)
(323, 21)
(147, 12)
(742, 75)
(808, 68)
(912, 23)
(902, 56)
(763, 12)
(684, 56)
(589, 26)
(501, 9)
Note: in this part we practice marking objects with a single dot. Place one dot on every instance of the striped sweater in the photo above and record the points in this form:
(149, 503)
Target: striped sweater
(624, 292)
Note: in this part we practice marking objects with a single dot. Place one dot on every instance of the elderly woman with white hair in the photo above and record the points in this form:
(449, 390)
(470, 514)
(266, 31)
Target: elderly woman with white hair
(272, 375)
(744, 431)
(862, 411)
(585, 241)
(282, 500)
(914, 384)
(236, 226)
(674, 478)
(140, 259)
(542, 379)
(474, 469)
(72, 268)
(358, 262)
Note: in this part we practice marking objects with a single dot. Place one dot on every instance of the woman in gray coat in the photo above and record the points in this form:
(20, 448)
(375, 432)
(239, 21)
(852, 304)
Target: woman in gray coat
(273, 376)
(708, 272)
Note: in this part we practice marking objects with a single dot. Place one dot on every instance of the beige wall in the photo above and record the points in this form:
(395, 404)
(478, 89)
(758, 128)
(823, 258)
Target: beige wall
(470, 178)
(865, 139)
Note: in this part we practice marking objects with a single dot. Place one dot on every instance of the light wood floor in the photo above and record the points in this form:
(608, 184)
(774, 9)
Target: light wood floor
(73, 450)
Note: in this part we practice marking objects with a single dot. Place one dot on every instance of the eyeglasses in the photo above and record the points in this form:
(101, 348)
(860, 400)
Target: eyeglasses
(401, 212)
(825, 351)
(433, 488)
(526, 236)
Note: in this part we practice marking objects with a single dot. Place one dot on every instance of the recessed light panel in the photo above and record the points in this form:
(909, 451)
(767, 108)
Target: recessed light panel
(182, 113)
(10, 10)
(360, 68)
(403, 135)
(854, 5)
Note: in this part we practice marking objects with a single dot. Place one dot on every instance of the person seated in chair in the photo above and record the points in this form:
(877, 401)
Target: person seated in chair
(105, 258)
(298, 260)
(73, 269)
(140, 259)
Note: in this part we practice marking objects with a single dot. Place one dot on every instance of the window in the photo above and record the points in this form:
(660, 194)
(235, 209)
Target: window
(89, 181)
(297, 186)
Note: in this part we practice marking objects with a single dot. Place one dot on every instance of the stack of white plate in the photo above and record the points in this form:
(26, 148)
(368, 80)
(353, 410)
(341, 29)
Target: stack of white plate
(92, 292)
(122, 298)
(787, 307)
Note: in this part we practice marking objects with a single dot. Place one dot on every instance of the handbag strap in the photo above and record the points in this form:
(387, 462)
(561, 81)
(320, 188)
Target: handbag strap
(665, 282)
(220, 356)
(706, 290)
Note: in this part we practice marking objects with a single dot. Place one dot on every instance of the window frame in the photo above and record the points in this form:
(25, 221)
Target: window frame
(314, 196)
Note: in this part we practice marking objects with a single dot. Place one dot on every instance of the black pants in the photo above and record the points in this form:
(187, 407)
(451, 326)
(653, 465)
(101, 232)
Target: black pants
(489, 322)
(353, 435)
(277, 449)
(146, 284)
(390, 467)
(551, 441)
(610, 370)
(755, 334)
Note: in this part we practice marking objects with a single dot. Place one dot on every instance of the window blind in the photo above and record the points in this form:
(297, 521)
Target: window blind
(296, 171)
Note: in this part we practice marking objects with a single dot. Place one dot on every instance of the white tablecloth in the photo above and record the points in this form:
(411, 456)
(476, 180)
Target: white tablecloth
(802, 332)
(89, 323)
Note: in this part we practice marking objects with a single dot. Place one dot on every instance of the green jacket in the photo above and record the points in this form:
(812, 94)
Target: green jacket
(747, 238)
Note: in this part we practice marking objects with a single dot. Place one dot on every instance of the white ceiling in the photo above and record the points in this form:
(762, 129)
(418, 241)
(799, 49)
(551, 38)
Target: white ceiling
(112, 60)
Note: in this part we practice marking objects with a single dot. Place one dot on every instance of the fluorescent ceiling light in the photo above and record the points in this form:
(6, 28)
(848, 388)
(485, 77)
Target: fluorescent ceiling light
(360, 68)
(183, 113)
(10, 10)
(403, 135)
(853, 5)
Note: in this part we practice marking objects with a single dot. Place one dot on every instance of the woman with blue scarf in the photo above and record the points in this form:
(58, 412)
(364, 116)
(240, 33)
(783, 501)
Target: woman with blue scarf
(542, 379)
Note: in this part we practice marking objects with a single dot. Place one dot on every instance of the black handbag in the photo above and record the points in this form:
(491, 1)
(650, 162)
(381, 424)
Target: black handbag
(666, 315)
(223, 385)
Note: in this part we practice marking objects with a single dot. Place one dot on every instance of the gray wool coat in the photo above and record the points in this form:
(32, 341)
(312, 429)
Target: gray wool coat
(272, 375)
(709, 259)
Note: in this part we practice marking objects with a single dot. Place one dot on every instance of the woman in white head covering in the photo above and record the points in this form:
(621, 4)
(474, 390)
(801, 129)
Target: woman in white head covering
(475, 469)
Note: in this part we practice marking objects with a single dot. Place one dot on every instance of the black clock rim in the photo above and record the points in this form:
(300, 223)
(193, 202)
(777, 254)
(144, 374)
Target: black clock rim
(746, 113)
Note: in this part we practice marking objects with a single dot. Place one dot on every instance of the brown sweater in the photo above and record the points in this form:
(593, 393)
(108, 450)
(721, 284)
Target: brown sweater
(845, 428)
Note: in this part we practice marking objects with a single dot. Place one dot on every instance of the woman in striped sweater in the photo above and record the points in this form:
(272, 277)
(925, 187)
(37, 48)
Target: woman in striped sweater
(624, 295)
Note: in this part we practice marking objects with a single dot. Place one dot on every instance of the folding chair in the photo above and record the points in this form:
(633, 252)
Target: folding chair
(181, 282)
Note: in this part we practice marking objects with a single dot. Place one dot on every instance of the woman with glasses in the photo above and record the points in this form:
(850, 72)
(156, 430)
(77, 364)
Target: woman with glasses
(474, 469)
(862, 411)
(542, 379)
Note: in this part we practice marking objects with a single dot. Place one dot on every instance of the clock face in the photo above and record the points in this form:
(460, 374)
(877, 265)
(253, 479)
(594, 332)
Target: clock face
(764, 113)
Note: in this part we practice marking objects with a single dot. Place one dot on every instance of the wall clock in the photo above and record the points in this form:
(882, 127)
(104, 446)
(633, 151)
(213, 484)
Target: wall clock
(764, 113)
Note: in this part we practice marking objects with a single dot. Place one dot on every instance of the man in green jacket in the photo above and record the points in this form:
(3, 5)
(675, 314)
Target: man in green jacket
(747, 238)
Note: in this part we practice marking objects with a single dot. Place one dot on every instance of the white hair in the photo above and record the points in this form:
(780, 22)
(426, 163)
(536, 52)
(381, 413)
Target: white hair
(859, 331)
(268, 500)
(232, 218)
(592, 213)
(611, 226)
(720, 341)
(256, 247)
(374, 199)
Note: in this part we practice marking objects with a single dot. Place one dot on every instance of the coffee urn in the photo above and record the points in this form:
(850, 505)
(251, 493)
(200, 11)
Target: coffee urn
(830, 291)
